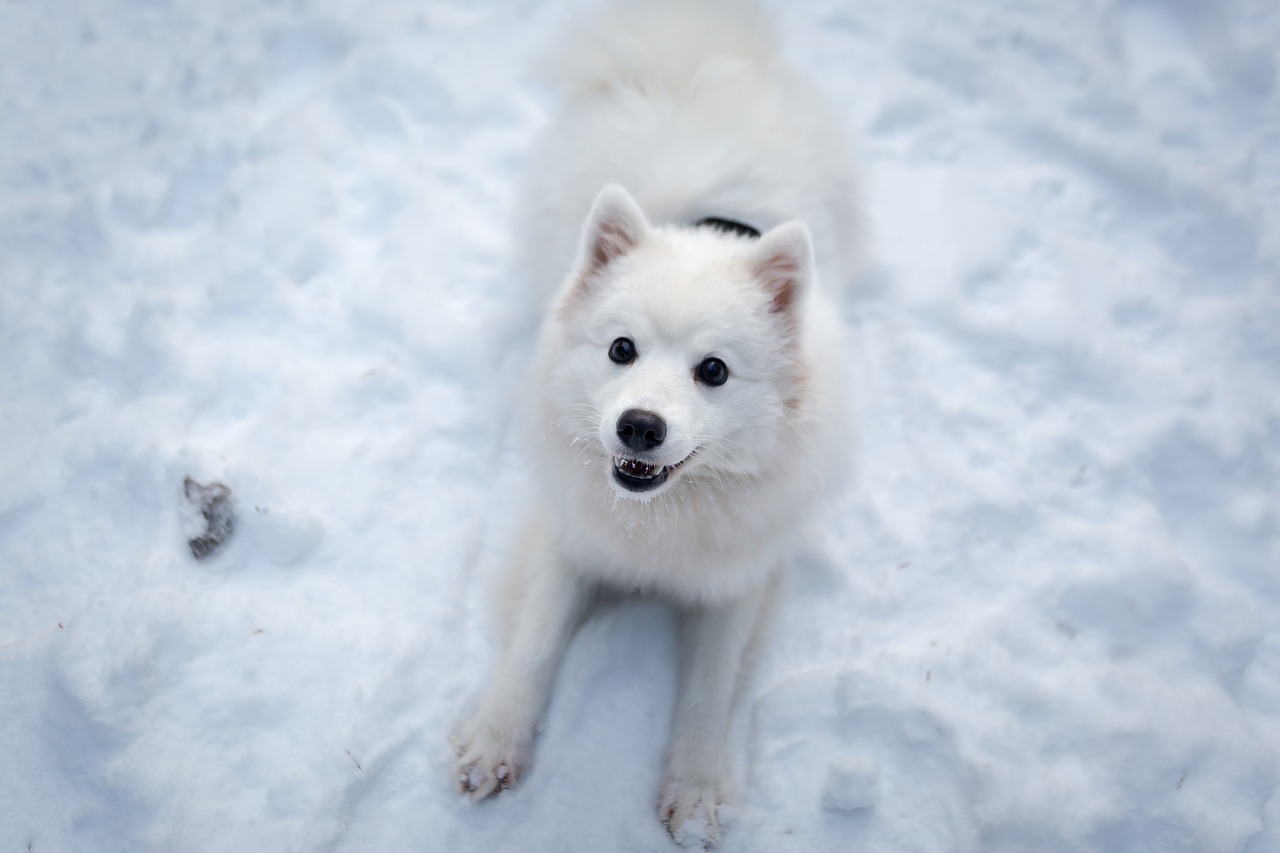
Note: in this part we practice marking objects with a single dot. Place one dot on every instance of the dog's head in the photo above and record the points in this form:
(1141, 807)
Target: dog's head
(678, 351)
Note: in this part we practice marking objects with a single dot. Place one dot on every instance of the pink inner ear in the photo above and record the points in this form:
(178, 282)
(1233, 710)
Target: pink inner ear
(780, 273)
(784, 294)
(612, 240)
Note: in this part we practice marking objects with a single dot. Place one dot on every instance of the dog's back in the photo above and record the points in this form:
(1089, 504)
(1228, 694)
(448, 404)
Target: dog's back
(661, 44)
(690, 106)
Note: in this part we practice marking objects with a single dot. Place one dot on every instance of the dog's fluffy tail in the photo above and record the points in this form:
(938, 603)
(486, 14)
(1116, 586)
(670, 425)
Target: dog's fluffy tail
(658, 43)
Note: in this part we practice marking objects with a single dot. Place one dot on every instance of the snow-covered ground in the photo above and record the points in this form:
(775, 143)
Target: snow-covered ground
(267, 243)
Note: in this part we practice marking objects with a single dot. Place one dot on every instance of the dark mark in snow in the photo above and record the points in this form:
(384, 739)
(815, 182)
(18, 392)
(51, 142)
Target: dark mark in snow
(214, 503)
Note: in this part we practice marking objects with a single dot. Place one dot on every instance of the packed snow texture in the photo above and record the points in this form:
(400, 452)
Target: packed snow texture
(268, 244)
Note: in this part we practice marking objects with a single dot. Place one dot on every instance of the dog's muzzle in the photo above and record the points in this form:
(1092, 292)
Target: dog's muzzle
(640, 431)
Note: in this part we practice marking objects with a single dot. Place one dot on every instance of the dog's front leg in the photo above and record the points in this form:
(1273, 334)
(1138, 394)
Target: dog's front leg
(713, 644)
(493, 745)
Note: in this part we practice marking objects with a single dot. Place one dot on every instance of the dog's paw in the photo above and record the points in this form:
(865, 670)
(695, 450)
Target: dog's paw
(487, 763)
(690, 811)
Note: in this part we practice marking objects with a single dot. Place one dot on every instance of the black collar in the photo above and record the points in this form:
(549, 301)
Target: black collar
(728, 226)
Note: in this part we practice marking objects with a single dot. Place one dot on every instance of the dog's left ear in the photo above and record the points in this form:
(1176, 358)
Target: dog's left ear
(784, 265)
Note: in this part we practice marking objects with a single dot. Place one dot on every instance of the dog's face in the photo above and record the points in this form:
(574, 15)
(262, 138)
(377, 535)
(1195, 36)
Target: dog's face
(678, 355)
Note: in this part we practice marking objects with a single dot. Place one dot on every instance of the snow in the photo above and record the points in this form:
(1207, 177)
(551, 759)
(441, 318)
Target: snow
(853, 782)
(267, 244)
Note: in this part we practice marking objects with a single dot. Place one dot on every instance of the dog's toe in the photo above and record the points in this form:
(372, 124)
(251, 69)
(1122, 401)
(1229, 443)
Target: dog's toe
(690, 811)
(485, 768)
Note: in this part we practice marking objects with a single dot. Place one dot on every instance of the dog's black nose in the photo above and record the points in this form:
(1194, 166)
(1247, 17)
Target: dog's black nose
(641, 430)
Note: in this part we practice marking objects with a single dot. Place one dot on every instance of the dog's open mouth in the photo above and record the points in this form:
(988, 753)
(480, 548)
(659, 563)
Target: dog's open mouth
(637, 476)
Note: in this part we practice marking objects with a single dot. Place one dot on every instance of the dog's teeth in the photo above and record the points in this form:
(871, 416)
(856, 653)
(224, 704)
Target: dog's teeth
(637, 469)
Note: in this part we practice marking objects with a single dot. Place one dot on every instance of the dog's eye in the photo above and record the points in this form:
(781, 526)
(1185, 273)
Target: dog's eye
(622, 351)
(712, 372)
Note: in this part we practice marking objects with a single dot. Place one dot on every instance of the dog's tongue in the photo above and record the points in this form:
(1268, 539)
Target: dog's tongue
(636, 468)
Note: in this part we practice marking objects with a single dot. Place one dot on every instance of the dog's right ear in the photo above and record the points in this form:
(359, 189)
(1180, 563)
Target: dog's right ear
(615, 226)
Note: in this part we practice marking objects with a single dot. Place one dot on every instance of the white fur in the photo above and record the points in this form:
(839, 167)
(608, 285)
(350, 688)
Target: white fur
(688, 107)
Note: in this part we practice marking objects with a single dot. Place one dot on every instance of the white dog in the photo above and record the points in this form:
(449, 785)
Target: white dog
(689, 391)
